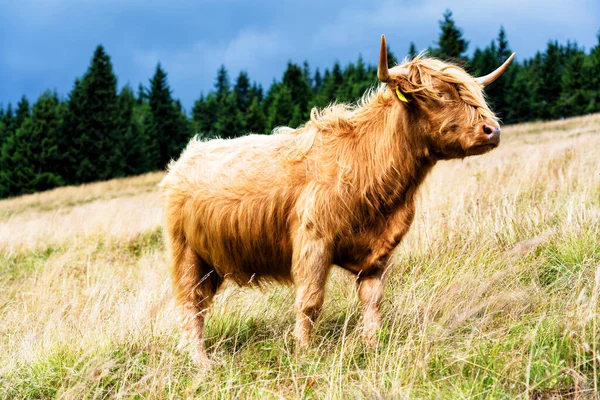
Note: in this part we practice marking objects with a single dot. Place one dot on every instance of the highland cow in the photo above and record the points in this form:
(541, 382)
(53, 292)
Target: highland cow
(338, 191)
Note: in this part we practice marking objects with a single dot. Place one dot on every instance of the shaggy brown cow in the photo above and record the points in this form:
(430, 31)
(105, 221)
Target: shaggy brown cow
(338, 191)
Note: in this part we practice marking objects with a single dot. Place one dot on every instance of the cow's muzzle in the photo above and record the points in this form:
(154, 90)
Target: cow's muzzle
(492, 133)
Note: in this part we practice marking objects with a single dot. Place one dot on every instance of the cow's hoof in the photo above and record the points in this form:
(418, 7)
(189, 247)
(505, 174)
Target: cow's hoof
(369, 337)
(201, 360)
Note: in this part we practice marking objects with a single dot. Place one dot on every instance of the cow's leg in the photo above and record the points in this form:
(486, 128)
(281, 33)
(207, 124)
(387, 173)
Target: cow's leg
(370, 292)
(371, 285)
(310, 266)
(195, 284)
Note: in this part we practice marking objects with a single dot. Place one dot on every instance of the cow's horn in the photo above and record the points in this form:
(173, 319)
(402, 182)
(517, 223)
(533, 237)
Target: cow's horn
(383, 72)
(486, 80)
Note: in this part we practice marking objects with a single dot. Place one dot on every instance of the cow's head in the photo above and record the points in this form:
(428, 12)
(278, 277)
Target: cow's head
(446, 103)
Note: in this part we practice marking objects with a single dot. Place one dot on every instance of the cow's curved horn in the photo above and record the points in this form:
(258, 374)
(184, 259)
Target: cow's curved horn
(489, 78)
(383, 72)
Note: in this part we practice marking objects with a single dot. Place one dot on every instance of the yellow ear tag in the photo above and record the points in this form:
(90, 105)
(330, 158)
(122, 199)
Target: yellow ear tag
(401, 96)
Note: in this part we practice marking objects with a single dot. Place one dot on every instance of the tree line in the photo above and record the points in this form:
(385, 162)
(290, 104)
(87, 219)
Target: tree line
(98, 132)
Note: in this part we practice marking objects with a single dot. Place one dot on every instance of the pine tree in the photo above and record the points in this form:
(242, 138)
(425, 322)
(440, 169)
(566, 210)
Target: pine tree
(23, 112)
(518, 96)
(135, 151)
(242, 91)
(483, 61)
(451, 44)
(167, 136)
(332, 83)
(504, 50)
(199, 120)
(594, 78)
(16, 173)
(141, 119)
(227, 120)
(204, 116)
(256, 92)
(92, 136)
(317, 82)
(2, 127)
(8, 116)
(281, 111)
(104, 132)
(72, 127)
(361, 80)
(31, 156)
(269, 99)
(255, 119)
(297, 117)
(142, 96)
(7, 121)
(295, 80)
(550, 87)
(222, 84)
(345, 92)
(532, 72)
(306, 73)
(241, 102)
(44, 133)
(231, 122)
(184, 126)
(575, 99)
(569, 50)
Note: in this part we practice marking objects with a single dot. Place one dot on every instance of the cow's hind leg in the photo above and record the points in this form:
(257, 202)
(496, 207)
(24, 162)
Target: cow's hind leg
(310, 266)
(195, 284)
(370, 292)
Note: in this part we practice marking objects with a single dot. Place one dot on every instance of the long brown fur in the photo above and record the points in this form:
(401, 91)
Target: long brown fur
(338, 191)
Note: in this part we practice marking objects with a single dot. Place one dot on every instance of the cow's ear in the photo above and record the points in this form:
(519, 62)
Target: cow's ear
(403, 88)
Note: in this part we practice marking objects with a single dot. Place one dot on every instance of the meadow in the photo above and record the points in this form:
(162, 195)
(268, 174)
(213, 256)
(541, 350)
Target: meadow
(494, 293)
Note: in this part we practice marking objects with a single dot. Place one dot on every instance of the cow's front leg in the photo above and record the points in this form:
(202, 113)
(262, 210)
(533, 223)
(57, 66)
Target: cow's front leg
(310, 266)
(371, 277)
(370, 292)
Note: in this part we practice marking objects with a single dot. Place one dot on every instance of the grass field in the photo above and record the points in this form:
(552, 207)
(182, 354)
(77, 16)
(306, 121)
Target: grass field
(494, 293)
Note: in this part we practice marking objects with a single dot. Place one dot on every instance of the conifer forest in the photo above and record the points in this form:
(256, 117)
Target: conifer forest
(98, 132)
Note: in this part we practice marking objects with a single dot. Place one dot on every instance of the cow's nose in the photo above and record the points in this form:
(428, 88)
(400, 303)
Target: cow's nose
(493, 133)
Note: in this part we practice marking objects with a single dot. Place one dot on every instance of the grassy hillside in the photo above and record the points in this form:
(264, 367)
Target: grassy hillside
(494, 293)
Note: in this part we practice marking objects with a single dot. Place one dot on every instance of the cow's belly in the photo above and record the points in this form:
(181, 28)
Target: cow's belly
(245, 241)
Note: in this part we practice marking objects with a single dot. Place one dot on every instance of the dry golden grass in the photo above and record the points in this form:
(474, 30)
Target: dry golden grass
(494, 293)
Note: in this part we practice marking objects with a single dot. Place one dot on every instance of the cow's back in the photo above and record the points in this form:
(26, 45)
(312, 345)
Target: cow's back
(233, 201)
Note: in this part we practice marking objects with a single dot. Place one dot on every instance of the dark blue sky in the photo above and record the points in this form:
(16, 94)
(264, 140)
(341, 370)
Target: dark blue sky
(45, 44)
